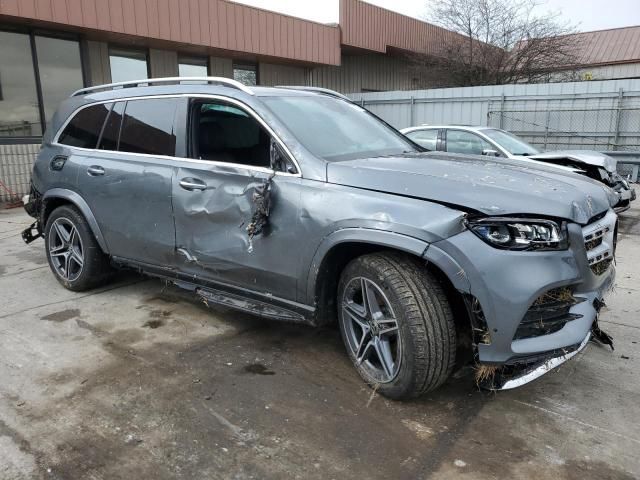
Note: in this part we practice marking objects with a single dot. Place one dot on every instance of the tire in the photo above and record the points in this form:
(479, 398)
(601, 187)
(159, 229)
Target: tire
(75, 258)
(423, 344)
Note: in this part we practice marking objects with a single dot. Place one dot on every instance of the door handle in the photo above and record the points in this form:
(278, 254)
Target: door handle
(95, 170)
(192, 184)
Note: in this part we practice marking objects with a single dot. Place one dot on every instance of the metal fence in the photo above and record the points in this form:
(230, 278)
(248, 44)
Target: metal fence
(601, 115)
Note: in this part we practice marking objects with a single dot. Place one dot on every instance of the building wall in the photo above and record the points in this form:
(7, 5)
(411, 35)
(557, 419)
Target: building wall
(163, 63)
(361, 73)
(610, 72)
(205, 23)
(270, 74)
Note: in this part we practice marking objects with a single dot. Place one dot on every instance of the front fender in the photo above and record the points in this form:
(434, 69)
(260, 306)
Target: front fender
(80, 203)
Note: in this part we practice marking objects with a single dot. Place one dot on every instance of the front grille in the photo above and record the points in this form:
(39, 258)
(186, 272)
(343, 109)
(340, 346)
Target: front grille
(548, 314)
(599, 242)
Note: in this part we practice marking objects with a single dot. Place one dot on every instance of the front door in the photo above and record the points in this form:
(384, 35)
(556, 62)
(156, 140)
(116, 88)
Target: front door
(217, 193)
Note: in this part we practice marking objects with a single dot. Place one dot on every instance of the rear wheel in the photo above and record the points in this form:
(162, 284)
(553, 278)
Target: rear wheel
(75, 258)
(396, 324)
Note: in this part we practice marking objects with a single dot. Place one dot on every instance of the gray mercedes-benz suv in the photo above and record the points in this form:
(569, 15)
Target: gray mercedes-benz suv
(296, 204)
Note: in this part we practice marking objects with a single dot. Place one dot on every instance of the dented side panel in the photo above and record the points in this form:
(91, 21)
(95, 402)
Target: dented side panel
(211, 228)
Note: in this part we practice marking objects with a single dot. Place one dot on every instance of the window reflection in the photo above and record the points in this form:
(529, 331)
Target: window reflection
(246, 74)
(193, 67)
(19, 112)
(60, 71)
(127, 65)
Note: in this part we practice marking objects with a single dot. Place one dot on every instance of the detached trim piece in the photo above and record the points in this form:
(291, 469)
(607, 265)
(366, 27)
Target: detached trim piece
(544, 367)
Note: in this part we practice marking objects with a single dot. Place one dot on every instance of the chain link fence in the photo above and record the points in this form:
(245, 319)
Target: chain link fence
(616, 129)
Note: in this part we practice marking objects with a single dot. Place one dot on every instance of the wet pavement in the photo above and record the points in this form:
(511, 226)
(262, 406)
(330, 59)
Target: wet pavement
(141, 380)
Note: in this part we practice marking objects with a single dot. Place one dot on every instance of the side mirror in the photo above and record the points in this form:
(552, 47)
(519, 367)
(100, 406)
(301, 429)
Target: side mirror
(490, 153)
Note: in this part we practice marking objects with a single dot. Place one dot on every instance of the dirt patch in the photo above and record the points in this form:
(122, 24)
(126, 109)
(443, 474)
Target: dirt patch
(62, 316)
(258, 369)
(581, 469)
(153, 324)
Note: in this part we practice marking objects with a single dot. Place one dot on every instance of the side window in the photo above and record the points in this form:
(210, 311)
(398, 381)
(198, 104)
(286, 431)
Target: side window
(111, 130)
(148, 127)
(84, 129)
(459, 141)
(425, 138)
(226, 133)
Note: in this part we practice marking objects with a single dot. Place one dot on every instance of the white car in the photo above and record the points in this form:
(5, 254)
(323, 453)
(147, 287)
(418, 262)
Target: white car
(499, 143)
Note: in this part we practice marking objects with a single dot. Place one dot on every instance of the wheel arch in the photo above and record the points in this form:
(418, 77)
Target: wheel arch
(61, 196)
(336, 251)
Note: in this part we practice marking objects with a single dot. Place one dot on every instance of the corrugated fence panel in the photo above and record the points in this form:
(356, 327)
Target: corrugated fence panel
(16, 162)
(602, 115)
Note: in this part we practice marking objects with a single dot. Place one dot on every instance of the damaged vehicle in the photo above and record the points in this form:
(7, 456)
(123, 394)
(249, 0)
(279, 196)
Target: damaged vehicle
(296, 204)
(500, 143)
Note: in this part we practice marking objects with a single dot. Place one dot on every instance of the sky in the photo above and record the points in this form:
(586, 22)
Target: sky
(586, 15)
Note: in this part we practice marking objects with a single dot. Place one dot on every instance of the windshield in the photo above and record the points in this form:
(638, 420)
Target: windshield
(511, 143)
(334, 129)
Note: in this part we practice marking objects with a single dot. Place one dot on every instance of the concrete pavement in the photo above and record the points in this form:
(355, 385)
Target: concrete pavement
(140, 380)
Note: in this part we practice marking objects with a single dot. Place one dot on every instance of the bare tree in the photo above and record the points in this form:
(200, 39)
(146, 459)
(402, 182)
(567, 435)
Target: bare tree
(497, 42)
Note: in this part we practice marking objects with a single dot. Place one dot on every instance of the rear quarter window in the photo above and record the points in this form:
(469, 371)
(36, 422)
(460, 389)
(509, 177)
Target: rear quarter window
(84, 128)
(148, 127)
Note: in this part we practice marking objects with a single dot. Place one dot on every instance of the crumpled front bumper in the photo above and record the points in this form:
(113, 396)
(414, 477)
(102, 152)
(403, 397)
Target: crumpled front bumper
(507, 283)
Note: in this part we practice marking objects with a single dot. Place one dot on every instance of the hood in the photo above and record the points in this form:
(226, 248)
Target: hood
(590, 157)
(504, 187)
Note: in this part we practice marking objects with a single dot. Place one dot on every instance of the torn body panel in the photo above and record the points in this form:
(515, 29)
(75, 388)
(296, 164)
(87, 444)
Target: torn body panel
(508, 283)
(211, 225)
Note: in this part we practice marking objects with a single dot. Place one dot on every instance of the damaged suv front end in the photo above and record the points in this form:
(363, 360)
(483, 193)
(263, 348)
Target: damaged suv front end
(533, 302)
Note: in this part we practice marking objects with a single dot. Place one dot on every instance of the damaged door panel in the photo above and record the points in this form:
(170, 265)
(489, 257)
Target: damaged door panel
(211, 226)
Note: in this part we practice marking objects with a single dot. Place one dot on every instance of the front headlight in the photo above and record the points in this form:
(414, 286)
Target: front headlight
(521, 233)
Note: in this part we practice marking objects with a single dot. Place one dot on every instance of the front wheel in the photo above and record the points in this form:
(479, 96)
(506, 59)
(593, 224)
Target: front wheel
(396, 324)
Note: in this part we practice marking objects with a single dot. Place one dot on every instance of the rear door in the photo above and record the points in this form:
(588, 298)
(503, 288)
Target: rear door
(216, 194)
(127, 180)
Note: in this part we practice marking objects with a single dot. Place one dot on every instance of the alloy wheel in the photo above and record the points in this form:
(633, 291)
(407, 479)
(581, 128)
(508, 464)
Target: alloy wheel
(65, 249)
(371, 329)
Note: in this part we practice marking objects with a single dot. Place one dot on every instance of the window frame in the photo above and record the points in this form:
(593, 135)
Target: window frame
(190, 137)
(427, 129)
(115, 47)
(470, 132)
(238, 64)
(184, 59)
(182, 129)
(32, 33)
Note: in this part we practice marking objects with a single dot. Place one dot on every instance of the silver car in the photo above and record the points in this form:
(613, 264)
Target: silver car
(500, 143)
(296, 204)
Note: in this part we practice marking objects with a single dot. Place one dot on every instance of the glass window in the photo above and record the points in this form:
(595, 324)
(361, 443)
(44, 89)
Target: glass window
(226, 133)
(425, 138)
(335, 129)
(128, 65)
(147, 127)
(459, 141)
(111, 131)
(193, 67)
(84, 129)
(246, 74)
(19, 112)
(512, 144)
(60, 70)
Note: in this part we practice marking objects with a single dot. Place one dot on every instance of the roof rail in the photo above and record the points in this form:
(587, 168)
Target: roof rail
(227, 82)
(326, 91)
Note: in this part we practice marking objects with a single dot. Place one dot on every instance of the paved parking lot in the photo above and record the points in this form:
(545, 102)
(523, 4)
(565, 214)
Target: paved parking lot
(138, 380)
